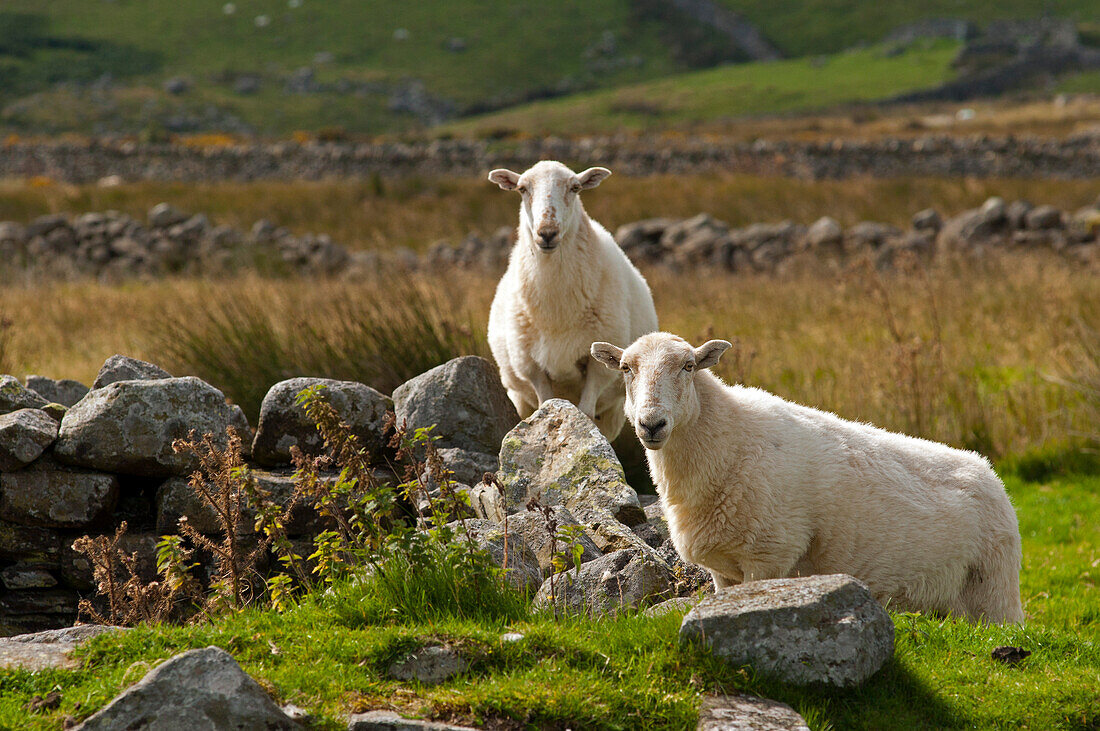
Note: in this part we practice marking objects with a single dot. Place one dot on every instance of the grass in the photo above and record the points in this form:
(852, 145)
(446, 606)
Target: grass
(726, 92)
(630, 673)
(416, 212)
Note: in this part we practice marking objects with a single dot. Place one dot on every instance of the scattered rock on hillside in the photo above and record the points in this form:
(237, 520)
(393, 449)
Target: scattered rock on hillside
(54, 496)
(464, 399)
(429, 665)
(129, 426)
(14, 396)
(619, 580)
(48, 649)
(283, 424)
(816, 629)
(747, 713)
(64, 391)
(199, 689)
(531, 526)
(124, 368)
(560, 454)
(390, 721)
(24, 435)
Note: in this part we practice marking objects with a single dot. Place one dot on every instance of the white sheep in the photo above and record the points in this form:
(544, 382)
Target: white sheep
(568, 283)
(756, 487)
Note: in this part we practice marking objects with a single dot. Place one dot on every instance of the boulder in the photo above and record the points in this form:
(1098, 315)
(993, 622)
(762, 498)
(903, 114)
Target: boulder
(927, 220)
(531, 527)
(1043, 217)
(49, 649)
(619, 580)
(199, 689)
(26, 576)
(124, 368)
(64, 391)
(520, 562)
(824, 233)
(14, 396)
(53, 496)
(465, 401)
(468, 467)
(283, 424)
(390, 721)
(24, 435)
(747, 713)
(558, 453)
(812, 630)
(975, 225)
(163, 215)
(129, 426)
(33, 544)
(428, 665)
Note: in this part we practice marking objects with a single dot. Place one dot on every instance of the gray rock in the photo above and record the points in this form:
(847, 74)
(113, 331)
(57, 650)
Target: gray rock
(870, 234)
(560, 454)
(678, 604)
(129, 426)
(825, 232)
(531, 527)
(52, 496)
(32, 544)
(690, 578)
(1016, 213)
(464, 399)
(24, 435)
(283, 424)
(812, 630)
(468, 467)
(48, 649)
(163, 215)
(14, 396)
(619, 580)
(390, 721)
(1043, 217)
(975, 225)
(517, 558)
(26, 576)
(429, 665)
(35, 610)
(747, 713)
(124, 368)
(927, 220)
(199, 689)
(64, 391)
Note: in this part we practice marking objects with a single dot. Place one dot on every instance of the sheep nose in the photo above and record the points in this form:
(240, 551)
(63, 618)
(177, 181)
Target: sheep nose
(653, 427)
(548, 236)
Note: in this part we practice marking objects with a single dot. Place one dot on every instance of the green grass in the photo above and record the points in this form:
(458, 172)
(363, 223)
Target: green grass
(730, 91)
(630, 673)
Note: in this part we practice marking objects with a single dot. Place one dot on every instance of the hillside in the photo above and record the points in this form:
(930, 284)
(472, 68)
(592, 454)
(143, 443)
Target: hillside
(275, 66)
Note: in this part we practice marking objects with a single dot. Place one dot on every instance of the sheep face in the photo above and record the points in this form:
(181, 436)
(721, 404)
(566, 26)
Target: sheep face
(659, 373)
(551, 210)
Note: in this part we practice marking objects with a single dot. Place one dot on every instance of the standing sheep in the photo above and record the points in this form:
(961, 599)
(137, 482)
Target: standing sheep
(568, 283)
(756, 487)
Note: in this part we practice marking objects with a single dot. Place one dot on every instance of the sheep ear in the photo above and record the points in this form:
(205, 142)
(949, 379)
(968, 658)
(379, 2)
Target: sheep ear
(592, 177)
(608, 354)
(506, 179)
(708, 354)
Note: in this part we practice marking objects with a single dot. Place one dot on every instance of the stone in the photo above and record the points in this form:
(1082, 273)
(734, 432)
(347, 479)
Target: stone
(176, 498)
(619, 580)
(747, 713)
(1043, 217)
(32, 544)
(560, 454)
(50, 495)
(811, 630)
(679, 604)
(64, 391)
(519, 561)
(468, 467)
(129, 426)
(199, 689)
(163, 215)
(690, 578)
(24, 435)
(1016, 213)
(390, 721)
(14, 396)
(531, 527)
(927, 220)
(465, 401)
(124, 368)
(870, 234)
(26, 576)
(283, 424)
(428, 665)
(50, 649)
(36, 609)
(825, 232)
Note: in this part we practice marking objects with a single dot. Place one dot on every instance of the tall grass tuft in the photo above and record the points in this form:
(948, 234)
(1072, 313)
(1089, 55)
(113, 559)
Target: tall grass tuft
(381, 336)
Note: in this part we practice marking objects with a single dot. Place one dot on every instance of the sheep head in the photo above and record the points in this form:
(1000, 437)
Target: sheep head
(659, 372)
(551, 209)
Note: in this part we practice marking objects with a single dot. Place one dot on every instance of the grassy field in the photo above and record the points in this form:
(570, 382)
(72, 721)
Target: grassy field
(630, 673)
(712, 95)
(417, 212)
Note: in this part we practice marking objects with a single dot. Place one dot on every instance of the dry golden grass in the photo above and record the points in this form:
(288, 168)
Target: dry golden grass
(417, 212)
(972, 353)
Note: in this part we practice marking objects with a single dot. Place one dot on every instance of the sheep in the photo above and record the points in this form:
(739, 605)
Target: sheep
(757, 487)
(567, 283)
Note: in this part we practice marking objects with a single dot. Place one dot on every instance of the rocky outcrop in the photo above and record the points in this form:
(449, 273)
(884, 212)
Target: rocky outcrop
(428, 665)
(813, 630)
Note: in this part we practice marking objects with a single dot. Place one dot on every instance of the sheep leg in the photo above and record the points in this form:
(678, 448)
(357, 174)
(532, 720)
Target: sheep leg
(596, 381)
(539, 381)
(722, 582)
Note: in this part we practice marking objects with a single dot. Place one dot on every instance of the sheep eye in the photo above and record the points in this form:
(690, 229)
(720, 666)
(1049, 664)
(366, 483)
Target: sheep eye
(624, 368)
(575, 189)
(689, 367)
(522, 189)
